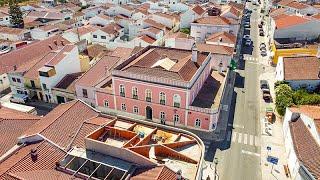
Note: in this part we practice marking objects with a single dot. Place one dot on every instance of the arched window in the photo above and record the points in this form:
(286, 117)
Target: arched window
(106, 103)
(176, 118)
(135, 93)
(162, 98)
(176, 100)
(198, 123)
(122, 90)
(148, 95)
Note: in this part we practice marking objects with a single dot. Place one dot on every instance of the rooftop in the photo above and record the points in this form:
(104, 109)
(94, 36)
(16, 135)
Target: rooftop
(285, 21)
(68, 82)
(301, 68)
(215, 49)
(168, 63)
(223, 37)
(14, 31)
(198, 9)
(216, 20)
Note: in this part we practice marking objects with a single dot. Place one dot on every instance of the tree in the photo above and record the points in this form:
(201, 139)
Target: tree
(16, 18)
(284, 98)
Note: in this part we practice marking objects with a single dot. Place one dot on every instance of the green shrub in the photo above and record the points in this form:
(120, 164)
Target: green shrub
(185, 30)
(284, 98)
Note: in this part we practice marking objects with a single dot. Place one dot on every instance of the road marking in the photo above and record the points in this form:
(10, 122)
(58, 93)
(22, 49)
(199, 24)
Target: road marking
(245, 138)
(240, 138)
(251, 140)
(229, 136)
(234, 136)
(257, 141)
(250, 153)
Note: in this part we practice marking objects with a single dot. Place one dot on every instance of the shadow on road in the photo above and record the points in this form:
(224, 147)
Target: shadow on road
(239, 82)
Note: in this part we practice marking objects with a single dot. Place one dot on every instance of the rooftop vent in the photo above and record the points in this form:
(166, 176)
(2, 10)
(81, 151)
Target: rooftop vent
(62, 42)
(34, 154)
(295, 117)
(55, 42)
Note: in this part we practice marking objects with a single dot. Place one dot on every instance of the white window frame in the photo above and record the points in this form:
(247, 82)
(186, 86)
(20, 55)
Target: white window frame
(122, 90)
(176, 118)
(106, 103)
(162, 97)
(134, 92)
(147, 92)
(123, 107)
(135, 110)
(162, 115)
(177, 99)
(197, 123)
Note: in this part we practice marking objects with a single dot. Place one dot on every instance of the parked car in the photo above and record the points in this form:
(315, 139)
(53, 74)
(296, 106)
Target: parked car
(263, 45)
(263, 53)
(260, 25)
(248, 42)
(261, 32)
(264, 84)
(266, 95)
(246, 37)
(19, 98)
(247, 25)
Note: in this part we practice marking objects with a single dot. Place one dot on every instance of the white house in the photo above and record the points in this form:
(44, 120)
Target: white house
(298, 7)
(44, 32)
(106, 34)
(191, 15)
(179, 40)
(299, 72)
(100, 20)
(302, 141)
(13, 34)
(4, 19)
(94, 10)
(179, 7)
(204, 27)
(78, 34)
(169, 20)
(296, 27)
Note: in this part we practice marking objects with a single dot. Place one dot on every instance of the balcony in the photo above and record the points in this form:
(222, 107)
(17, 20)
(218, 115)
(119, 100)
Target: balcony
(163, 102)
(122, 94)
(148, 99)
(135, 96)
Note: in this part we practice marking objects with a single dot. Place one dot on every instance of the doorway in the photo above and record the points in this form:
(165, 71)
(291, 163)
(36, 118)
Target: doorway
(60, 99)
(149, 112)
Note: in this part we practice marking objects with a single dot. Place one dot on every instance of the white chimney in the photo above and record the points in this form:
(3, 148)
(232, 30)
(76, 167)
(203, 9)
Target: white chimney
(194, 53)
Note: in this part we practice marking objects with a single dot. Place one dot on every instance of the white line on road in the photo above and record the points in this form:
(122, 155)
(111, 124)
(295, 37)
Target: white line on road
(234, 136)
(250, 153)
(245, 138)
(240, 138)
(257, 141)
(229, 136)
(251, 140)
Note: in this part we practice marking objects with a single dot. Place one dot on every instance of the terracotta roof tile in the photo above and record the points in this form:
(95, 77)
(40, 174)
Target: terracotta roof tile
(215, 49)
(147, 39)
(198, 9)
(285, 21)
(15, 31)
(68, 81)
(216, 20)
(96, 50)
(154, 173)
(297, 5)
(301, 68)
(224, 36)
(306, 147)
(111, 29)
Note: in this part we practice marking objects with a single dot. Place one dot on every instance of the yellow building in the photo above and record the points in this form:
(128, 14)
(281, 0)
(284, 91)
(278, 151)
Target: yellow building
(312, 50)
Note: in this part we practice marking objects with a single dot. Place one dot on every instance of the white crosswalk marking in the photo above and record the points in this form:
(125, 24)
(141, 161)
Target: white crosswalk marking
(257, 141)
(229, 136)
(240, 138)
(234, 136)
(245, 138)
(251, 140)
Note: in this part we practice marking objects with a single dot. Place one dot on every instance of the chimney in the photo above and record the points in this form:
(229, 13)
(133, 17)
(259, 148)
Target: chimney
(34, 154)
(55, 42)
(178, 174)
(194, 53)
(50, 47)
(62, 42)
(220, 39)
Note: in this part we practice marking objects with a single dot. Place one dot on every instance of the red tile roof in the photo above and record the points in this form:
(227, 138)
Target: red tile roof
(306, 147)
(301, 68)
(297, 5)
(97, 72)
(198, 9)
(216, 20)
(12, 125)
(28, 53)
(286, 21)
(147, 39)
(223, 36)
(14, 31)
(154, 173)
(111, 29)
(215, 49)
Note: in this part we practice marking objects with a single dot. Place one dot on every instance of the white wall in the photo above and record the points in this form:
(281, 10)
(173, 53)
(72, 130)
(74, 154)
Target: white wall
(5, 21)
(4, 82)
(280, 70)
(202, 31)
(11, 37)
(300, 32)
(91, 99)
(96, 20)
(99, 40)
(180, 43)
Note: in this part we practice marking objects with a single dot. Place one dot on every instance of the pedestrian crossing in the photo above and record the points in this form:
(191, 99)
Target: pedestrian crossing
(243, 138)
(250, 58)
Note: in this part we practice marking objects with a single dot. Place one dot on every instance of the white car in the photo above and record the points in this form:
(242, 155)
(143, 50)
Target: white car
(248, 42)
(246, 37)
(19, 98)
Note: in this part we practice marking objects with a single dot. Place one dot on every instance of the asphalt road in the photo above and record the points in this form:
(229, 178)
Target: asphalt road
(239, 154)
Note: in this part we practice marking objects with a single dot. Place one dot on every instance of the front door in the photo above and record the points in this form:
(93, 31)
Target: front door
(60, 99)
(149, 112)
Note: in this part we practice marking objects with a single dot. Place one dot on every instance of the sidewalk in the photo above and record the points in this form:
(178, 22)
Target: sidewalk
(276, 140)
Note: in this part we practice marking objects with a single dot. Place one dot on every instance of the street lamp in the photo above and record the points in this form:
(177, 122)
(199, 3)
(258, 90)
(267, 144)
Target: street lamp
(215, 167)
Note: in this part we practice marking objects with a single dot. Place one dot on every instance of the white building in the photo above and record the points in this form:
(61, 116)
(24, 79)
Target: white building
(78, 34)
(299, 72)
(106, 34)
(169, 20)
(204, 27)
(222, 38)
(4, 19)
(179, 40)
(191, 15)
(302, 141)
(13, 34)
(100, 20)
(44, 32)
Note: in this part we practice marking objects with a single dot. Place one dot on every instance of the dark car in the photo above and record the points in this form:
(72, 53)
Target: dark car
(266, 95)
(264, 84)
(260, 25)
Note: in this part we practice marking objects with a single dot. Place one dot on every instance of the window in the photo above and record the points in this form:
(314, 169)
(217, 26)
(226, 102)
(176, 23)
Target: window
(14, 79)
(33, 85)
(122, 91)
(44, 86)
(198, 123)
(84, 93)
(95, 36)
(18, 80)
(176, 118)
(135, 93)
(162, 115)
(103, 37)
(176, 100)
(123, 107)
(135, 110)
(106, 103)
(148, 95)
(162, 98)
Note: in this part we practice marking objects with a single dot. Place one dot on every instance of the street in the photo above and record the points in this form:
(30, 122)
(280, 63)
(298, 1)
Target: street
(238, 156)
